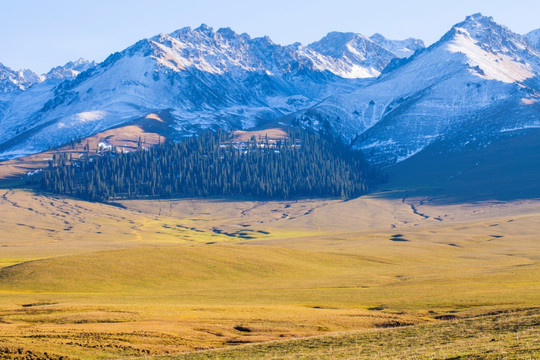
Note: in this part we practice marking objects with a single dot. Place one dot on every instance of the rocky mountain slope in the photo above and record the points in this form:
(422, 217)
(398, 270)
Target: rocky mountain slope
(401, 48)
(14, 81)
(69, 70)
(534, 38)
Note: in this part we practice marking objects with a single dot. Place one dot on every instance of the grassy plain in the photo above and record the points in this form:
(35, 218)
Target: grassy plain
(507, 335)
(158, 278)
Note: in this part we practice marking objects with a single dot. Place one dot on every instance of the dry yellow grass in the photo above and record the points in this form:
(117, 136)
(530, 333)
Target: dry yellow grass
(510, 335)
(160, 277)
(260, 135)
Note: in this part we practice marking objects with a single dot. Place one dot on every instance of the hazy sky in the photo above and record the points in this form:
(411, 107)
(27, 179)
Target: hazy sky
(40, 34)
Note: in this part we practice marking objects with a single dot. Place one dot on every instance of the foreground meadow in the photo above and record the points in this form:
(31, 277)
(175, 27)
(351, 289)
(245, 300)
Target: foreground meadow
(175, 278)
(502, 335)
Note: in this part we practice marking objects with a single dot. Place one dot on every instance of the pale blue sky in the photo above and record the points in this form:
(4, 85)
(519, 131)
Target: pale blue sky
(39, 34)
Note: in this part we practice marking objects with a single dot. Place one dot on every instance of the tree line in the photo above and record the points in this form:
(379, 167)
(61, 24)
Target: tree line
(302, 165)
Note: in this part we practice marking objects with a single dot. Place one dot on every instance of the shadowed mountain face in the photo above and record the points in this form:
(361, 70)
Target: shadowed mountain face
(505, 169)
(534, 38)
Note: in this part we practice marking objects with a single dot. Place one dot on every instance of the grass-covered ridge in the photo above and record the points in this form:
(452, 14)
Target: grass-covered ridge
(300, 165)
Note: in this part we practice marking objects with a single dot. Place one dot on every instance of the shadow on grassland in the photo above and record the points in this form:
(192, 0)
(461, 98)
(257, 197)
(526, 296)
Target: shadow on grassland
(505, 170)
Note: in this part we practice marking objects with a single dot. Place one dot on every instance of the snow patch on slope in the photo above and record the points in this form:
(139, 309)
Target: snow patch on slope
(478, 70)
(355, 54)
(486, 64)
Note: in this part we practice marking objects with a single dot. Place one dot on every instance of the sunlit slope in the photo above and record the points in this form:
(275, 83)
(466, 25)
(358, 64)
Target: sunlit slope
(179, 268)
(409, 276)
(149, 130)
(402, 254)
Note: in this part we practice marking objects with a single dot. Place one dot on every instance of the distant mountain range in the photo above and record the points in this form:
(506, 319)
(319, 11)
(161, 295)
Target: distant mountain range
(16, 81)
(203, 78)
(478, 84)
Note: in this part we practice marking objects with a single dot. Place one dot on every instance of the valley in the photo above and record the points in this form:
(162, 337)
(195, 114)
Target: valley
(355, 197)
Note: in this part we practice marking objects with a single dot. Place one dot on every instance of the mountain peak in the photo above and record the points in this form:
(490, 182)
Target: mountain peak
(4, 67)
(401, 48)
(479, 26)
(338, 38)
(227, 33)
(478, 17)
(17, 80)
(264, 40)
(336, 44)
(184, 30)
(377, 37)
(487, 49)
(205, 29)
(362, 57)
(482, 32)
(70, 70)
(534, 38)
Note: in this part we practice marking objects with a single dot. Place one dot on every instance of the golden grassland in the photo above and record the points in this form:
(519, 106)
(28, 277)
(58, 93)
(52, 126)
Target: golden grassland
(507, 335)
(367, 278)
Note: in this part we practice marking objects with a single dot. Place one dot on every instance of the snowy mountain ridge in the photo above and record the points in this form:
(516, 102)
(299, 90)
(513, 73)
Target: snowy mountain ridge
(19, 80)
(12, 81)
(478, 70)
(393, 99)
(354, 54)
(401, 48)
(70, 70)
(203, 78)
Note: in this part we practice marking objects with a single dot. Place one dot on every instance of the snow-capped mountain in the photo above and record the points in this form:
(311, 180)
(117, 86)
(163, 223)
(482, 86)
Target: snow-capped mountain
(15, 81)
(204, 78)
(354, 54)
(69, 70)
(400, 48)
(16, 85)
(12, 81)
(534, 38)
(480, 81)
